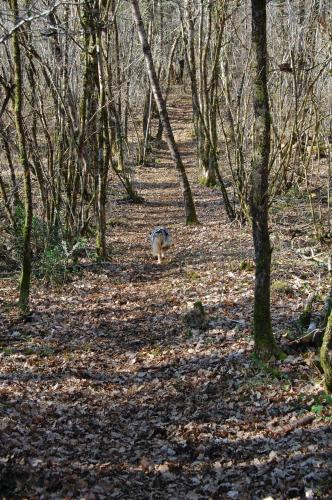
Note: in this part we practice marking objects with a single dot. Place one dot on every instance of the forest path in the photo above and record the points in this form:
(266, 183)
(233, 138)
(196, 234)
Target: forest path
(108, 393)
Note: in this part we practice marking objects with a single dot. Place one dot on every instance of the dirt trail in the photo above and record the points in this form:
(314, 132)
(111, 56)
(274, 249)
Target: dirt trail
(108, 393)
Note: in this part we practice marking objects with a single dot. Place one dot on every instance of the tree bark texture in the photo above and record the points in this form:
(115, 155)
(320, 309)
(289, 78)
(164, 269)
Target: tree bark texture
(24, 162)
(265, 346)
(104, 149)
(326, 355)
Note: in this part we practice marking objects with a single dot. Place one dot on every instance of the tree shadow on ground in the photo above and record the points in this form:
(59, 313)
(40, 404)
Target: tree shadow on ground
(158, 430)
(156, 185)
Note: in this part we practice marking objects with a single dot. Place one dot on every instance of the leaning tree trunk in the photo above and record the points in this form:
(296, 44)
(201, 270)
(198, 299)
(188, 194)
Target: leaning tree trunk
(201, 128)
(21, 136)
(191, 217)
(265, 346)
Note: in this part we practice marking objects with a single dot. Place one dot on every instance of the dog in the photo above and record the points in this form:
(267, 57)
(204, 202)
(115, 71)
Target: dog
(160, 242)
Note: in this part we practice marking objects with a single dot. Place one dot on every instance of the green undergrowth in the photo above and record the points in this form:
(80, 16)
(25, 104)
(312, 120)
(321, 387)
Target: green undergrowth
(320, 404)
(53, 258)
(269, 369)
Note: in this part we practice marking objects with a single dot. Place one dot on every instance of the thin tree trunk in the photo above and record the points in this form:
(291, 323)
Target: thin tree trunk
(326, 351)
(325, 355)
(168, 83)
(147, 117)
(191, 217)
(191, 63)
(103, 150)
(265, 345)
(15, 187)
(26, 254)
(201, 128)
(127, 94)
(3, 191)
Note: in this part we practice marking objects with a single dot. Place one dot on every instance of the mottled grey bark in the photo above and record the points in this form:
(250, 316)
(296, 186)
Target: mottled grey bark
(265, 346)
(326, 354)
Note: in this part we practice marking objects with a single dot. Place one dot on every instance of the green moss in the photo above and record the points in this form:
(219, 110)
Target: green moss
(247, 265)
(198, 306)
(192, 221)
(207, 182)
(259, 93)
(117, 221)
(280, 286)
(273, 371)
(156, 352)
(325, 358)
(192, 275)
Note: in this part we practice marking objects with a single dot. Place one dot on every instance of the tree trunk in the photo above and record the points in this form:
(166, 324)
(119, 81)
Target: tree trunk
(191, 217)
(26, 253)
(326, 354)
(265, 346)
(104, 149)
(191, 63)
(206, 148)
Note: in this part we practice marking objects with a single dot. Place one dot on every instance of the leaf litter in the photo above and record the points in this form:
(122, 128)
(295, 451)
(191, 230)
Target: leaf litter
(106, 392)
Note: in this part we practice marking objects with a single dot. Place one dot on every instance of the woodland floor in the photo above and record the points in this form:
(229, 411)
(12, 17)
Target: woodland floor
(106, 392)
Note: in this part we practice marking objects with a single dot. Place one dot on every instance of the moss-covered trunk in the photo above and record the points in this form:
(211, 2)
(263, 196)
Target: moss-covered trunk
(326, 354)
(104, 146)
(265, 346)
(23, 158)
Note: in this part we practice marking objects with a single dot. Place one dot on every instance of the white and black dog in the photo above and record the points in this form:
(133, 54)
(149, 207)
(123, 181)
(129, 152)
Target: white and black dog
(160, 241)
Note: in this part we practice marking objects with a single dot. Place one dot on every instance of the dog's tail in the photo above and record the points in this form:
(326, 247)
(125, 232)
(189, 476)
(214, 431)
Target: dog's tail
(160, 241)
(157, 244)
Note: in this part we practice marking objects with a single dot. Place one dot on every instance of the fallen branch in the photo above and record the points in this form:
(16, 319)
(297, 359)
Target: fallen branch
(294, 425)
(325, 262)
(312, 337)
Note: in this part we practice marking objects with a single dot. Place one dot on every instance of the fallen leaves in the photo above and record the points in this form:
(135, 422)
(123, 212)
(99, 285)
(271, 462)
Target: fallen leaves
(106, 393)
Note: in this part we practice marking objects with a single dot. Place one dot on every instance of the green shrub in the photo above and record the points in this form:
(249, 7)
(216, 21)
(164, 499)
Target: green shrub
(280, 286)
(40, 237)
(50, 253)
(52, 266)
